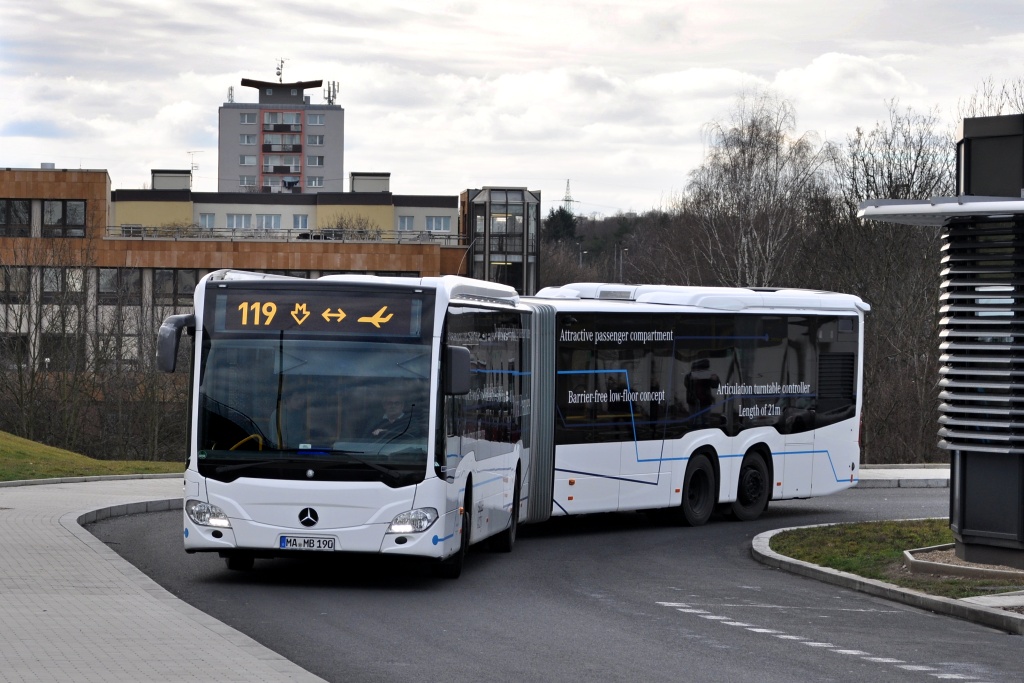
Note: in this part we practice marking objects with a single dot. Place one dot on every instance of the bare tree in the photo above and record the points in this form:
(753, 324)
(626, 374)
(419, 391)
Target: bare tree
(747, 194)
(907, 157)
(992, 99)
(356, 228)
(48, 381)
(894, 268)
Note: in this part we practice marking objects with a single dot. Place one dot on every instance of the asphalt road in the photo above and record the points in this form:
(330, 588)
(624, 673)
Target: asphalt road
(604, 598)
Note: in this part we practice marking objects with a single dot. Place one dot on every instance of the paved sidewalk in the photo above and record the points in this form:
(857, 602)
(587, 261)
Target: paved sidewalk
(71, 609)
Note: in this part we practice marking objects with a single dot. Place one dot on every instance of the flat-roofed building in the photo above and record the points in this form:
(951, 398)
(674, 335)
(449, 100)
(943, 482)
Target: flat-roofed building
(282, 143)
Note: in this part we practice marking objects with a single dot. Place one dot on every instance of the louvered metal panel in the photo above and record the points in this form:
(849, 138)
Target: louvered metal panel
(982, 335)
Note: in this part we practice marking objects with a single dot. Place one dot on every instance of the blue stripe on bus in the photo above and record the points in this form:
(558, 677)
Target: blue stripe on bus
(828, 455)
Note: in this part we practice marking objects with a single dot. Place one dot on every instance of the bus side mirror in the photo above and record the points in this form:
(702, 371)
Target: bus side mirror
(456, 370)
(167, 340)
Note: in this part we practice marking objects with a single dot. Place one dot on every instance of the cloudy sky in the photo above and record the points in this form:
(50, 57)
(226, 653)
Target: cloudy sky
(451, 94)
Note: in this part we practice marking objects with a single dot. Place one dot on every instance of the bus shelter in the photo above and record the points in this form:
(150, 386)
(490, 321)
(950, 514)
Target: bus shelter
(981, 335)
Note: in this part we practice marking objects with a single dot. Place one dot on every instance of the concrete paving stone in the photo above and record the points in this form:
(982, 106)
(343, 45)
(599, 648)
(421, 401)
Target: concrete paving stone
(71, 609)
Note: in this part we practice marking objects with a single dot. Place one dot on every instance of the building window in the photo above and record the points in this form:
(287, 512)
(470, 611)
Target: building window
(239, 221)
(247, 138)
(63, 285)
(63, 218)
(315, 140)
(247, 180)
(62, 351)
(13, 284)
(314, 181)
(272, 117)
(174, 287)
(300, 221)
(405, 223)
(271, 181)
(292, 118)
(15, 217)
(268, 221)
(314, 160)
(247, 160)
(119, 286)
(439, 223)
(13, 351)
(248, 117)
(270, 91)
(315, 119)
(206, 220)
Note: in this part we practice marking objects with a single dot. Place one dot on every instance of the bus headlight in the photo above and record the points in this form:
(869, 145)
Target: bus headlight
(205, 514)
(413, 521)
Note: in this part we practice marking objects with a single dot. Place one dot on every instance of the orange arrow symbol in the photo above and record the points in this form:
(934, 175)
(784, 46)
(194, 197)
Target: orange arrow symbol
(377, 318)
(300, 313)
(327, 315)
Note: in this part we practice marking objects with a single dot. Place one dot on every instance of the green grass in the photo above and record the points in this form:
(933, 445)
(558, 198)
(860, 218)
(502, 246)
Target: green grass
(874, 550)
(23, 459)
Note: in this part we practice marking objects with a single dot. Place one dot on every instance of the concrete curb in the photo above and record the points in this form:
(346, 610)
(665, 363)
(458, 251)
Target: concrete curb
(987, 616)
(101, 477)
(902, 483)
(925, 567)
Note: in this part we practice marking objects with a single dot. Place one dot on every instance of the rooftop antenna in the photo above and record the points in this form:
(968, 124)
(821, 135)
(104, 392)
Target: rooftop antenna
(192, 159)
(231, 94)
(280, 68)
(331, 94)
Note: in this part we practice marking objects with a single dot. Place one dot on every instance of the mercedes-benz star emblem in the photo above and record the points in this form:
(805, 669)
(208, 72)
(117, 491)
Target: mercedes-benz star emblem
(308, 517)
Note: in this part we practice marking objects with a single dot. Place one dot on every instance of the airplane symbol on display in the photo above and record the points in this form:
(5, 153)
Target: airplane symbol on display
(377, 318)
(327, 315)
(300, 313)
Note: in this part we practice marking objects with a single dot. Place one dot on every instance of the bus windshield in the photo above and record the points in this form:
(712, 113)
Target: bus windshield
(341, 398)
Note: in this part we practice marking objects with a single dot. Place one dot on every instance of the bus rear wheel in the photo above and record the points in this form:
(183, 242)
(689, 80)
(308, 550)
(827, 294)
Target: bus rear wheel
(698, 491)
(753, 490)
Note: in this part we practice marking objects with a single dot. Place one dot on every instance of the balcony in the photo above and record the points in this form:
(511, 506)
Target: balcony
(197, 233)
(282, 127)
(281, 148)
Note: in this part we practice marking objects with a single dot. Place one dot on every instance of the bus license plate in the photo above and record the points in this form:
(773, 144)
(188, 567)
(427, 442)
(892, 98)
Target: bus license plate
(306, 543)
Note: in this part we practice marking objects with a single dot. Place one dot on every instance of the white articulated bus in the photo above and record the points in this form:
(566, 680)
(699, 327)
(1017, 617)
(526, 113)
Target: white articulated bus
(417, 416)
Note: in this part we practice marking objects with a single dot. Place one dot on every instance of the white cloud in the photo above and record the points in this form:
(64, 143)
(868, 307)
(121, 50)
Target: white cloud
(609, 93)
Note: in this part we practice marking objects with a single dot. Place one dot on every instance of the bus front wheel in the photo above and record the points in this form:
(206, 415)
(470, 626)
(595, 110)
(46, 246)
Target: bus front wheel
(239, 562)
(504, 541)
(698, 490)
(451, 567)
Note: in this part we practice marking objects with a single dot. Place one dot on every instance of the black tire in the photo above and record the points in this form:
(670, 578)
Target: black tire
(451, 567)
(503, 542)
(753, 490)
(698, 491)
(240, 562)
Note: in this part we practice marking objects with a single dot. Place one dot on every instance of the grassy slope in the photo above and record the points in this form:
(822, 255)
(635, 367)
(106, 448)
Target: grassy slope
(23, 459)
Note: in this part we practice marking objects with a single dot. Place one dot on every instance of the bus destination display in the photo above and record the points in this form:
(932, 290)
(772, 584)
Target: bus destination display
(346, 313)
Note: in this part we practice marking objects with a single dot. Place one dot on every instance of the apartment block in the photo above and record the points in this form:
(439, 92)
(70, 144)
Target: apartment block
(282, 143)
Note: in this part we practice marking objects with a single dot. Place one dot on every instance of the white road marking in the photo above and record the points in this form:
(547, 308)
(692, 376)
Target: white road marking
(688, 608)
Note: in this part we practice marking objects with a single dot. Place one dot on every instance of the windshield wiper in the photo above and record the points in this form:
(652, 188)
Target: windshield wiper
(259, 463)
(351, 455)
(320, 464)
